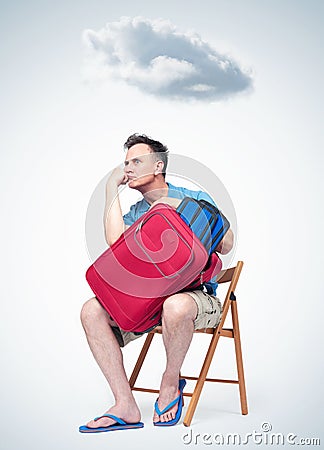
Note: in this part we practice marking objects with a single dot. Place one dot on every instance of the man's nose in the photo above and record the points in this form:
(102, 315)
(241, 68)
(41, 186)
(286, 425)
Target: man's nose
(129, 167)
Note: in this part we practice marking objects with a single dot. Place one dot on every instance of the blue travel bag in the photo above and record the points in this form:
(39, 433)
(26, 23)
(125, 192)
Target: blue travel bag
(205, 220)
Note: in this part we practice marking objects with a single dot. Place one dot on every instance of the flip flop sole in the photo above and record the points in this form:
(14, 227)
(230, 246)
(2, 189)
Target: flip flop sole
(85, 429)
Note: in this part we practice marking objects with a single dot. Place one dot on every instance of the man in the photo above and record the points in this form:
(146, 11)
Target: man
(144, 170)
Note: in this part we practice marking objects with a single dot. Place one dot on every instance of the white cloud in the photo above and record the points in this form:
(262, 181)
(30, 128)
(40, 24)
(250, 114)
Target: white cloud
(160, 60)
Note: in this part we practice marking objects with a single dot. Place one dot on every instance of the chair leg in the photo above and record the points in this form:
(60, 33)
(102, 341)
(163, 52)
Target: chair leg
(201, 380)
(239, 359)
(140, 359)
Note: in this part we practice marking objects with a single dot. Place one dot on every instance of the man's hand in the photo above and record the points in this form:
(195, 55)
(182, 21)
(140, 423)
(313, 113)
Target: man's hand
(174, 202)
(113, 216)
(117, 177)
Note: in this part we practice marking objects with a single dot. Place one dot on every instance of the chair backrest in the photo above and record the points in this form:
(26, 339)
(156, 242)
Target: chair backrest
(233, 273)
(229, 276)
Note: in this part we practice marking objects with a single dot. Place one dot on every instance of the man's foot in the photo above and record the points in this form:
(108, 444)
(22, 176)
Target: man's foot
(128, 413)
(168, 392)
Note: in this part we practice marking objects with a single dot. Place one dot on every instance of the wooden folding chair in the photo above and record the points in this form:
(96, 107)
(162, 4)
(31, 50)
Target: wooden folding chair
(226, 276)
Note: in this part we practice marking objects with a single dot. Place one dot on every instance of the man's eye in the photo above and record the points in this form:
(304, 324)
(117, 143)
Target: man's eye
(137, 161)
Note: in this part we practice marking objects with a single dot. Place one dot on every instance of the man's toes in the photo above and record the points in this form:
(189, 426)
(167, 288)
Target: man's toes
(92, 424)
(166, 417)
(103, 422)
(156, 417)
(170, 416)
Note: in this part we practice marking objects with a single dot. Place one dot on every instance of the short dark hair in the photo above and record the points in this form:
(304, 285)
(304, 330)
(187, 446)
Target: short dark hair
(155, 146)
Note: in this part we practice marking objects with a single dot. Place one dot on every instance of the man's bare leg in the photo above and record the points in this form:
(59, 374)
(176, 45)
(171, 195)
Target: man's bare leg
(107, 353)
(179, 313)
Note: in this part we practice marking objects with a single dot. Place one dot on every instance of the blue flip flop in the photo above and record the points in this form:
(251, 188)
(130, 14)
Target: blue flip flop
(120, 425)
(178, 400)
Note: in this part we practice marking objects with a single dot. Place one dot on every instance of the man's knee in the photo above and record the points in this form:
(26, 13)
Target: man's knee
(91, 311)
(180, 307)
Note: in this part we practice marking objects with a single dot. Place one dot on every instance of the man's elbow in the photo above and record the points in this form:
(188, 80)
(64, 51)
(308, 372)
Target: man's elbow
(111, 239)
(226, 249)
(226, 244)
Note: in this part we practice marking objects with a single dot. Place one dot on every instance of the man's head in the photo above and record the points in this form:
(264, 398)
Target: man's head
(145, 160)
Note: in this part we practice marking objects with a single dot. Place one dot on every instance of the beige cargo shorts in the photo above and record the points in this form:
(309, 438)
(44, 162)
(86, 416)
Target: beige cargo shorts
(208, 316)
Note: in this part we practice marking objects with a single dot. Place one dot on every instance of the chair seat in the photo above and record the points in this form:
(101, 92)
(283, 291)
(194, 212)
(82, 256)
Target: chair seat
(226, 332)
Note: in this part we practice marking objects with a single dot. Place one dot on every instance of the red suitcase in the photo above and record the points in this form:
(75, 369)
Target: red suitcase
(154, 258)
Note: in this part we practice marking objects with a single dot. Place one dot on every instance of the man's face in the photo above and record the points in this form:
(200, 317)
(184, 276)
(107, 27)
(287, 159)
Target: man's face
(140, 165)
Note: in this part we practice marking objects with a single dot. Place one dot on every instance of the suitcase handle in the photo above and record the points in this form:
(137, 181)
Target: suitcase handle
(139, 226)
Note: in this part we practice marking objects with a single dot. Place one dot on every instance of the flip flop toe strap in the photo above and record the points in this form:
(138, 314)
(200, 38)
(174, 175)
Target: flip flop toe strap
(170, 405)
(111, 416)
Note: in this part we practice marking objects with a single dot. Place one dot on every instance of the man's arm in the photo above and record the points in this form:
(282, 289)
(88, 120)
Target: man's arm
(226, 244)
(113, 216)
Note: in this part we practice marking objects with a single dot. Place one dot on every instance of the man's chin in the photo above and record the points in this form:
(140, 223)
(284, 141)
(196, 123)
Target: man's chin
(136, 183)
(132, 184)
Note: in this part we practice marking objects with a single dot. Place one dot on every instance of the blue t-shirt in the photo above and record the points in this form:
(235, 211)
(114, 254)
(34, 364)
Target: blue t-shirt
(142, 206)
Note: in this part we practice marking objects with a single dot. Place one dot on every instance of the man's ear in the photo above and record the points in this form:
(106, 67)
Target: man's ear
(158, 167)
